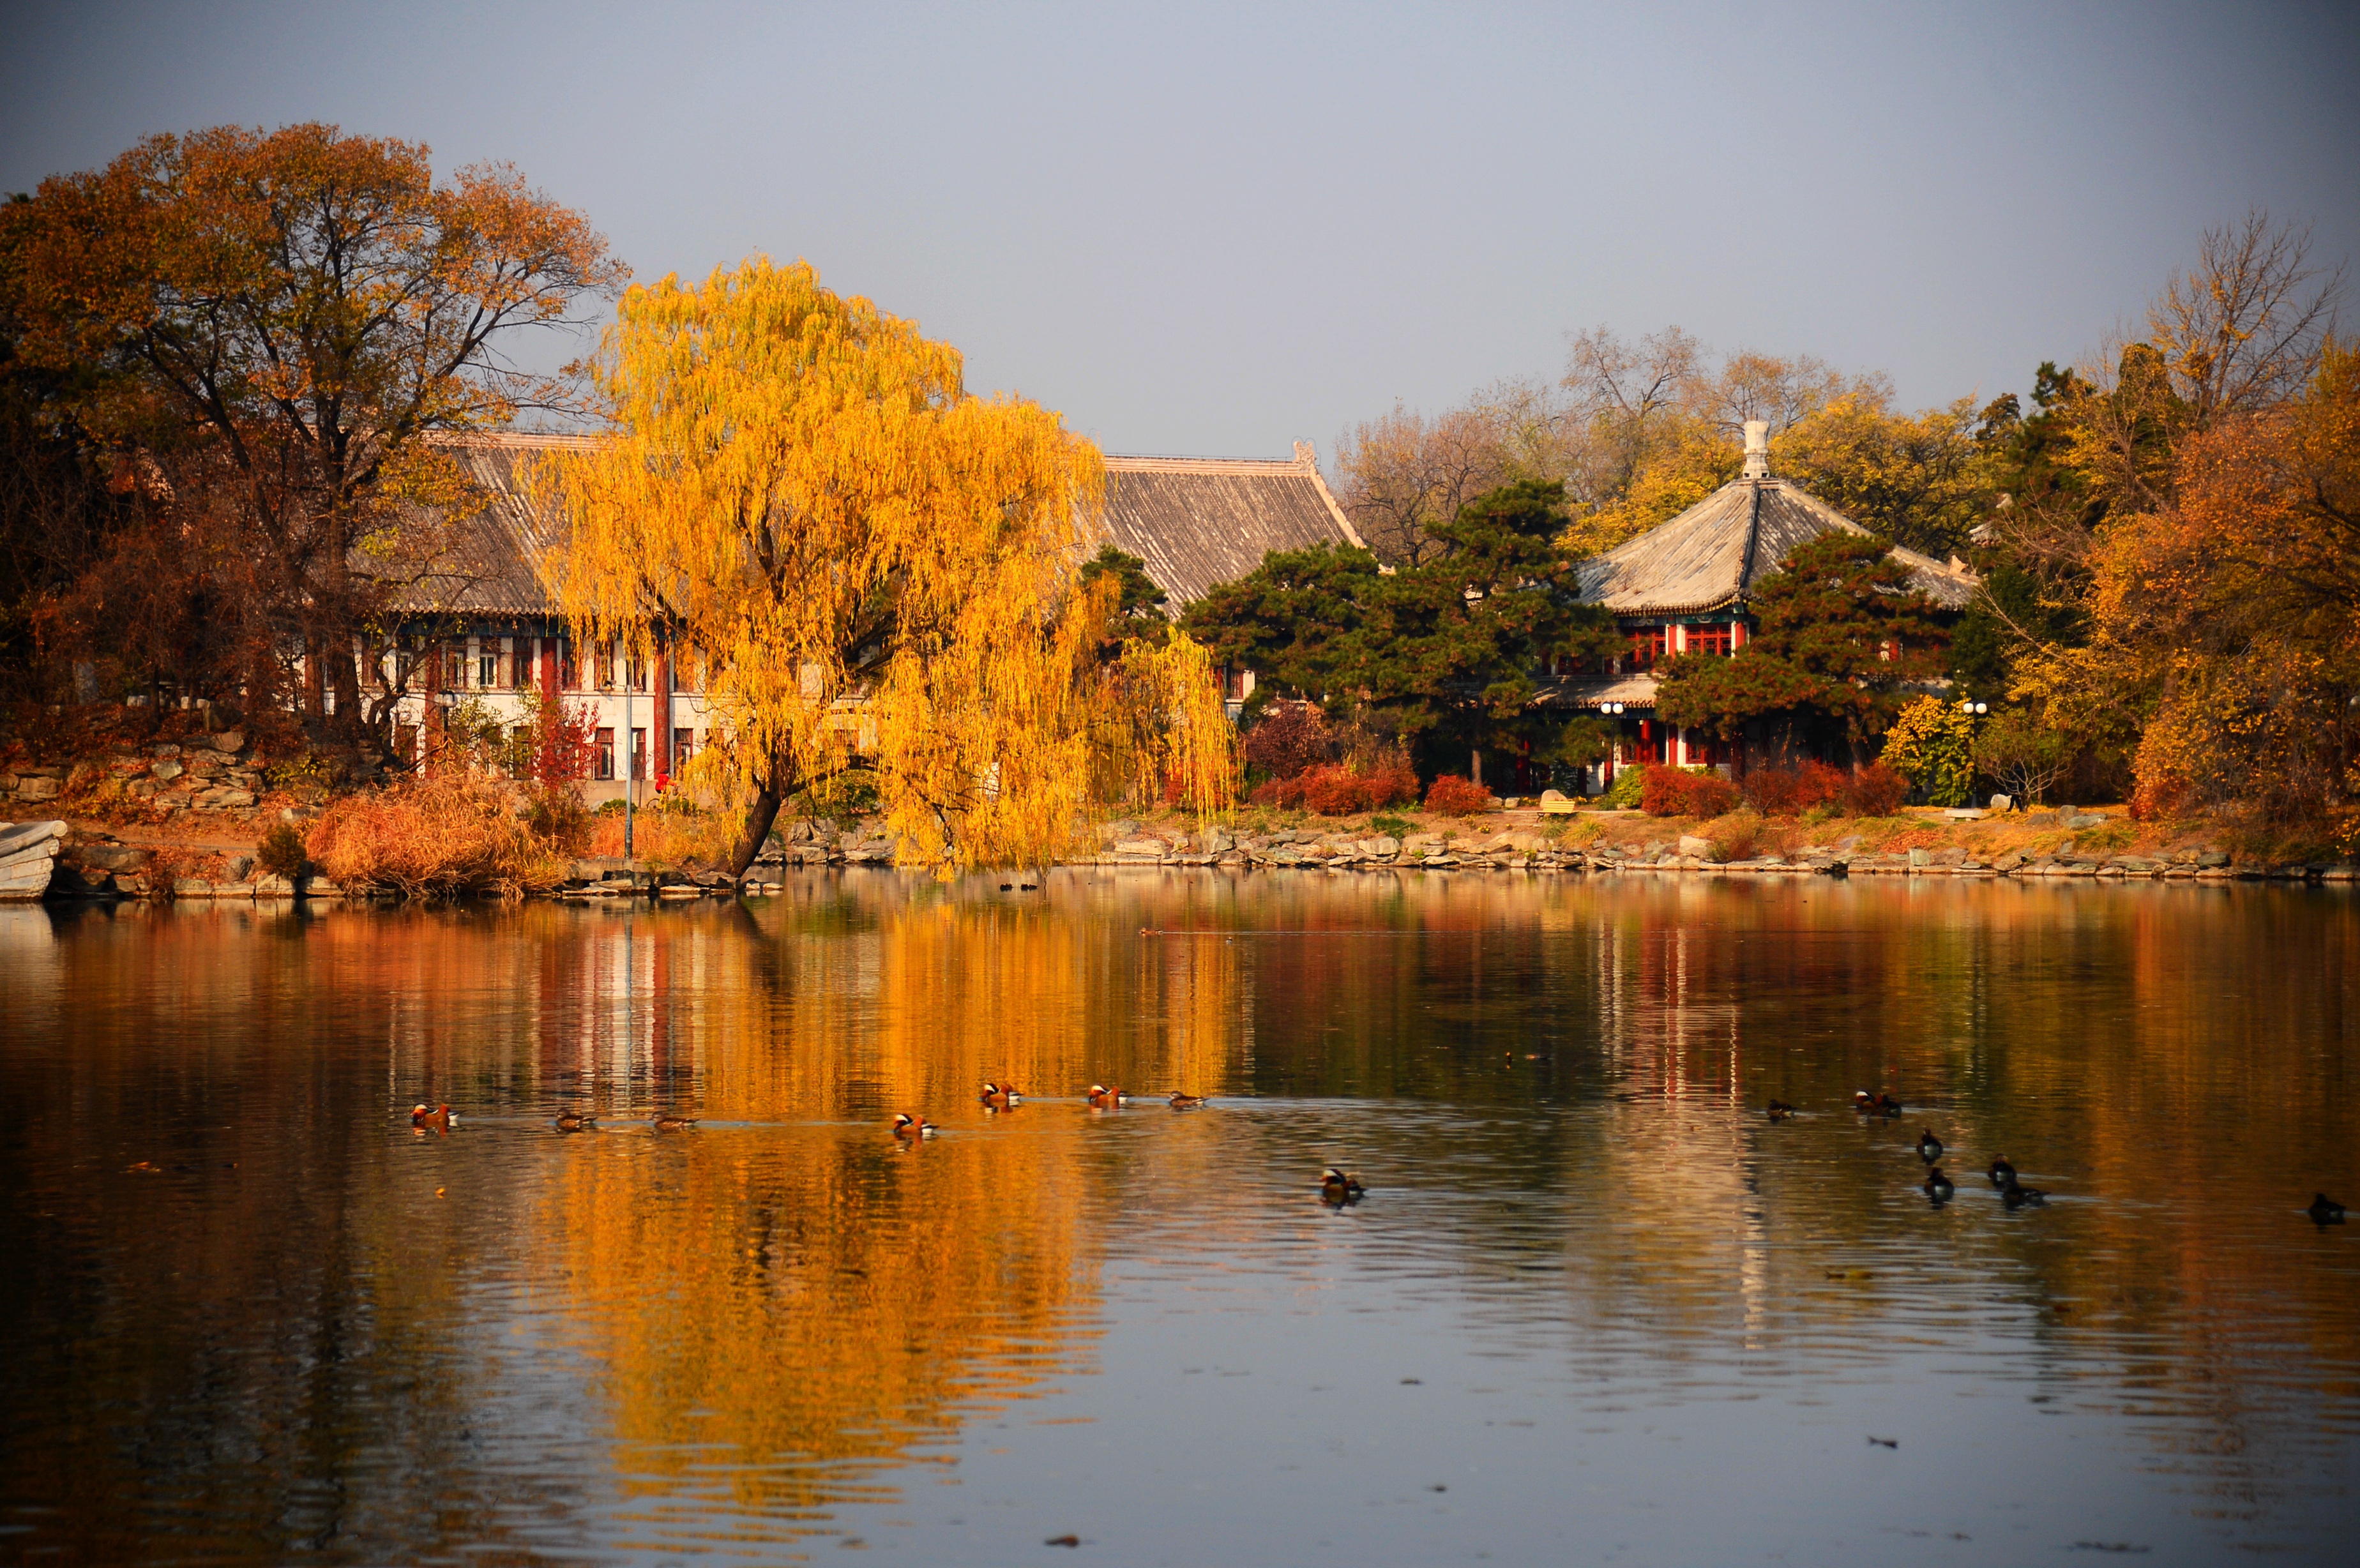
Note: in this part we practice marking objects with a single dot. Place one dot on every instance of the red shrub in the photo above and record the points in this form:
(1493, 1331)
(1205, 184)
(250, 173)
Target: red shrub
(1338, 790)
(1790, 792)
(1675, 792)
(1453, 796)
(1876, 791)
(1776, 792)
(1294, 737)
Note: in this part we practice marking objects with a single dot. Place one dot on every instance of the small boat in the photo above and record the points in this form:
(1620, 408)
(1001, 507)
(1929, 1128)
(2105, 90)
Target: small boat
(907, 1126)
(2016, 1197)
(1939, 1186)
(431, 1119)
(2002, 1173)
(1340, 1187)
(1929, 1148)
(673, 1124)
(1780, 1110)
(1180, 1102)
(574, 1121)
(2324, 1209)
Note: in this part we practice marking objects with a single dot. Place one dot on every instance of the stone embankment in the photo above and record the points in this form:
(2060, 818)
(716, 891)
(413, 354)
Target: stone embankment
(1311, 849)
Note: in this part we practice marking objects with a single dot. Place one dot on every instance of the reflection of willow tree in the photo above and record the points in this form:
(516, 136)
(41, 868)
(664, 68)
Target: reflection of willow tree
(830, 1304)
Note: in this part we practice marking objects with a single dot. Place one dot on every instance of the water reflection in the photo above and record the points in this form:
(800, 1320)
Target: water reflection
(265, 1319)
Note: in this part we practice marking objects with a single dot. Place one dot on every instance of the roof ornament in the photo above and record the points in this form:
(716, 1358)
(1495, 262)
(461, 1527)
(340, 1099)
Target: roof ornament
(1757, 449)
(1305, 455)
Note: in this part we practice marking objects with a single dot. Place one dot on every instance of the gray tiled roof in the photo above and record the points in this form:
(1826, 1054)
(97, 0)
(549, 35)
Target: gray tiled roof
(1194, 521)
(489, 563)
(1198, 521)
(1715, 552)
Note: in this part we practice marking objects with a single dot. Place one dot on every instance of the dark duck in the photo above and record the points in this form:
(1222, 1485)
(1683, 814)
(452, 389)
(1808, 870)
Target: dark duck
(2001, 1172)
(574, 1121)
(673, 1124)
(2324, 1209)
(2017, 1197)
(1780, 1110)
(1180, 1102)
(1939, 1186)
(1338, 1186)
(1929, 1148)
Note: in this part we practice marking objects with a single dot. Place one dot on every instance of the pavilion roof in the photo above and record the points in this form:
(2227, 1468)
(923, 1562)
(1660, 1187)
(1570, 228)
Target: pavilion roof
(1711, 556)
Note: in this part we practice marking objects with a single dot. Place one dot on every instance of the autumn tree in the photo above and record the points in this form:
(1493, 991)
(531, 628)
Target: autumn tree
(264, 331)
(1655, 428)
(875, 564)
(2159, 609)
(1402, 475)
(1843, 639)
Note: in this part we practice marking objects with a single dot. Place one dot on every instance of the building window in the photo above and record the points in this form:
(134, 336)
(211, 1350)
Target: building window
(569, 678)
(488, 664)
(639, 754)
(1710, 640)
(683, 746)
(1647, 645)
(520, 664)
(636, 670)
(602, 756)
(453, 667)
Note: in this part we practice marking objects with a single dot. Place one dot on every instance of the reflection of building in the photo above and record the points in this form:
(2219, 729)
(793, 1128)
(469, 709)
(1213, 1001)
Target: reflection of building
(484, 628)
(1683, 587)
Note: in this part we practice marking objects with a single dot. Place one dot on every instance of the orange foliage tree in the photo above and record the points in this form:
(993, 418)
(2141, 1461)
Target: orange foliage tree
(2239, 600)
(263, 329)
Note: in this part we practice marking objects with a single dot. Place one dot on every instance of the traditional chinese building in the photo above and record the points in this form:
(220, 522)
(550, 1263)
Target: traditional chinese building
(481, 628)
(1686, 586)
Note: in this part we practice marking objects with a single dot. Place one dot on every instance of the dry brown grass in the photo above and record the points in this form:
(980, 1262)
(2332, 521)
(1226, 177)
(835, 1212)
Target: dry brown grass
(442, 837)
(670, 838)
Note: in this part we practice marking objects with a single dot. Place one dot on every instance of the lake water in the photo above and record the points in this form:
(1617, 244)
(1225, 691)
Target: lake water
(1593, 1308)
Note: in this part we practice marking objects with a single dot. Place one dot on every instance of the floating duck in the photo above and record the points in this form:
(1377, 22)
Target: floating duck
(1938, 1187)
(2324, 1209)
(434, 1118)
(673, 1124)
(1001, 1096)
(1180, 1102)
(2016, 1197)
(1104, 1097)
(1780, 1110)
(1929, 1148)
(907, 1126)
(1876, 1104)
(2002, 1173)
(574, 1121)
(1340, 1187)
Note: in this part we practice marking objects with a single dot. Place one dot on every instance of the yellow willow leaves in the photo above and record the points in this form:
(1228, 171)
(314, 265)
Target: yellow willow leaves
(869, 562)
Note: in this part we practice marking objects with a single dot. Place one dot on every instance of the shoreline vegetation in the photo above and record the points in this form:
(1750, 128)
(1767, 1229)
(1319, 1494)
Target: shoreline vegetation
(354, 851)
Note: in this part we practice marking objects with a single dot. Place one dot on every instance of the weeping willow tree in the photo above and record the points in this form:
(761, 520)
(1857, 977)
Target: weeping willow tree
(876, 569)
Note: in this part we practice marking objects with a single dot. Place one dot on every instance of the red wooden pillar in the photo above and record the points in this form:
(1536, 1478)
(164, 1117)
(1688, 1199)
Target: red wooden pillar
(660, 712)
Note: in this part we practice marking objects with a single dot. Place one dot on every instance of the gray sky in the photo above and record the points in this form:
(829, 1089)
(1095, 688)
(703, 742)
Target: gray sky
(1218, 229)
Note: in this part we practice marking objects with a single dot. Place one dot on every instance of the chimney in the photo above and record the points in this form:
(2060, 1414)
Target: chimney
(1757, 449)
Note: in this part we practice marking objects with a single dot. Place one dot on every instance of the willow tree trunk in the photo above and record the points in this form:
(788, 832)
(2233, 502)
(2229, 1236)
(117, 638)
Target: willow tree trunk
(761, 812)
